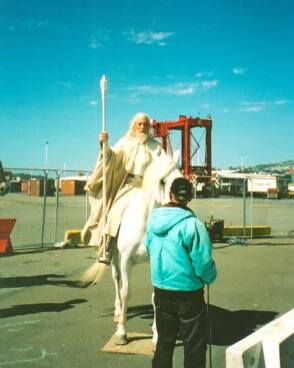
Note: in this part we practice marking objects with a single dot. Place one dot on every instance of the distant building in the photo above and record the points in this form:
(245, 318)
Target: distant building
(291, 173)
(231, 182)
(260, 185)
(73, 185)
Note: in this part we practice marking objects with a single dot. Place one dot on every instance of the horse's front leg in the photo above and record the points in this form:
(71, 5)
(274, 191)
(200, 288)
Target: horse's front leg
(121, 333)
(116, 279)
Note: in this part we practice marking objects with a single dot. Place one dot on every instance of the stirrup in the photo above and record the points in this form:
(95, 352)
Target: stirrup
(105, 257)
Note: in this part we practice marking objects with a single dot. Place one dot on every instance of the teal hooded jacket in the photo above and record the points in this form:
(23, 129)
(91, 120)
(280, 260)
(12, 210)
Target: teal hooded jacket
(180, 250)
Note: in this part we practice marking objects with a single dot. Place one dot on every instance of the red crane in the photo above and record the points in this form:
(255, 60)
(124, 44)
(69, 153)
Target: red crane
(200, 175)
(185, 124)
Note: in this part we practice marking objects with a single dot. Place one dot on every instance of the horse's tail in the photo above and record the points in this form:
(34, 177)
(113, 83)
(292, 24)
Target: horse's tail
(93, 274)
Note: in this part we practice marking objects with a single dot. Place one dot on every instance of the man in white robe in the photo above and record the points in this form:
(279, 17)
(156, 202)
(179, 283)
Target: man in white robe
(126, 163)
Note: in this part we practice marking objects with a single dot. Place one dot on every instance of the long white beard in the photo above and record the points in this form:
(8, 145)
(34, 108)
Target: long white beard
(142, 137)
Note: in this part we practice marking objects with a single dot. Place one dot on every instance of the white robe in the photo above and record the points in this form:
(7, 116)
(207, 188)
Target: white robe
(127, 156)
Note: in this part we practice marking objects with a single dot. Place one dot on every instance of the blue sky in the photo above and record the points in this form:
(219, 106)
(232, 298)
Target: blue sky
(231, 59)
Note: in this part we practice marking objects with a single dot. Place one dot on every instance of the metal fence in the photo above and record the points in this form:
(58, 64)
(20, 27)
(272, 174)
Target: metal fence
(44, 210)
(43, 216)
(243, 205)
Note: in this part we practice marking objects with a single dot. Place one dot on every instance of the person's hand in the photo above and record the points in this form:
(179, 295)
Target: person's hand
(103, 137)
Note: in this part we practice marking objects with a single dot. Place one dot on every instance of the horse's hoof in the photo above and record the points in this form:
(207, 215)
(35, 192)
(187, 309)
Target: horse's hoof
(115, 319)
(120, 340)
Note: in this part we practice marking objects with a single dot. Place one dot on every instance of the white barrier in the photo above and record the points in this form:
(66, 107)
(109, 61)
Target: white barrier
(272, 346)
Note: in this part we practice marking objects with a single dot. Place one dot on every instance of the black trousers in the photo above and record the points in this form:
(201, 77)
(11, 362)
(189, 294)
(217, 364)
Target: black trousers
(183, 314)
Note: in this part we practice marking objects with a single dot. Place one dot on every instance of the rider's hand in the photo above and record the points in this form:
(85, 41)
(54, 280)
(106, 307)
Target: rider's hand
(103, 137)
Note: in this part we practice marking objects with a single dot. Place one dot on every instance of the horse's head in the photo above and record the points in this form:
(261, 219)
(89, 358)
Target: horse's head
(159, 176)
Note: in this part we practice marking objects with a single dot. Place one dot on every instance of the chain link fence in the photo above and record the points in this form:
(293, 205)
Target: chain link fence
(47, 203)
(250, 206)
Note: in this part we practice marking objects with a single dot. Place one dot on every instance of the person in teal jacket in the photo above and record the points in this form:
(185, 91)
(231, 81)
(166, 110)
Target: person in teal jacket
(181, 264)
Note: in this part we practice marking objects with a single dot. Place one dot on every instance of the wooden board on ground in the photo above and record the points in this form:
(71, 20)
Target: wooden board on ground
(139, 343)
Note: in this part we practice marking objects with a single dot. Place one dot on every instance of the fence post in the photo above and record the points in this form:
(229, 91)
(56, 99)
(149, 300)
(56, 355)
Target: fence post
(57, 179)
(244, 207)
(44, 206)
(251, 213)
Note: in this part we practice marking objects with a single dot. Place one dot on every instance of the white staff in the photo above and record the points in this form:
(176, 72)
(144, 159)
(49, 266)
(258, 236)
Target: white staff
(103, 86)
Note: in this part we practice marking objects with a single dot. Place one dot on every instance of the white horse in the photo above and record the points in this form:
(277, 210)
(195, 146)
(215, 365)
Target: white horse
(130, 248)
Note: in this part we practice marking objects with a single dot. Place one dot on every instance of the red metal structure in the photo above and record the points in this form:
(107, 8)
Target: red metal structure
(185, 124)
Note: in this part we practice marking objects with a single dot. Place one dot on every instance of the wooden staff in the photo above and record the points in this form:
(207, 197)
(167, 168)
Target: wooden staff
(103, 86)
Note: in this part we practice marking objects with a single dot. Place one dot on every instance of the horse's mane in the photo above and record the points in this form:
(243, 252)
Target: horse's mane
(156, 171)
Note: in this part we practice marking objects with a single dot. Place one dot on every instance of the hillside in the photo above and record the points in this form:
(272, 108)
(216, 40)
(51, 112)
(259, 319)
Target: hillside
(273, 168)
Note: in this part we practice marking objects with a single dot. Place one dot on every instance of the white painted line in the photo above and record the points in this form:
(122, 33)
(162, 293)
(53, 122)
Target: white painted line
(43, 356)
(19, 323)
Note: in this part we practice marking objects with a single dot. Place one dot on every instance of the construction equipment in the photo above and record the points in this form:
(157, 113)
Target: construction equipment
(215, 229)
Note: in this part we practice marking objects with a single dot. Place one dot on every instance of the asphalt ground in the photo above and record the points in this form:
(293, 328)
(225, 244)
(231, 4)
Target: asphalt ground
(47, 320)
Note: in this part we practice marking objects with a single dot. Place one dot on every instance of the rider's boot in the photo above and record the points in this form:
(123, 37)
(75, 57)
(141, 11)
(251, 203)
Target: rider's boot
(106, 255)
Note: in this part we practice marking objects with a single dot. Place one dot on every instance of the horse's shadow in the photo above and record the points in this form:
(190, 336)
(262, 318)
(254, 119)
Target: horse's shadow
(226, 327)
(142, 311)
(24, 309)
(45, 279)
